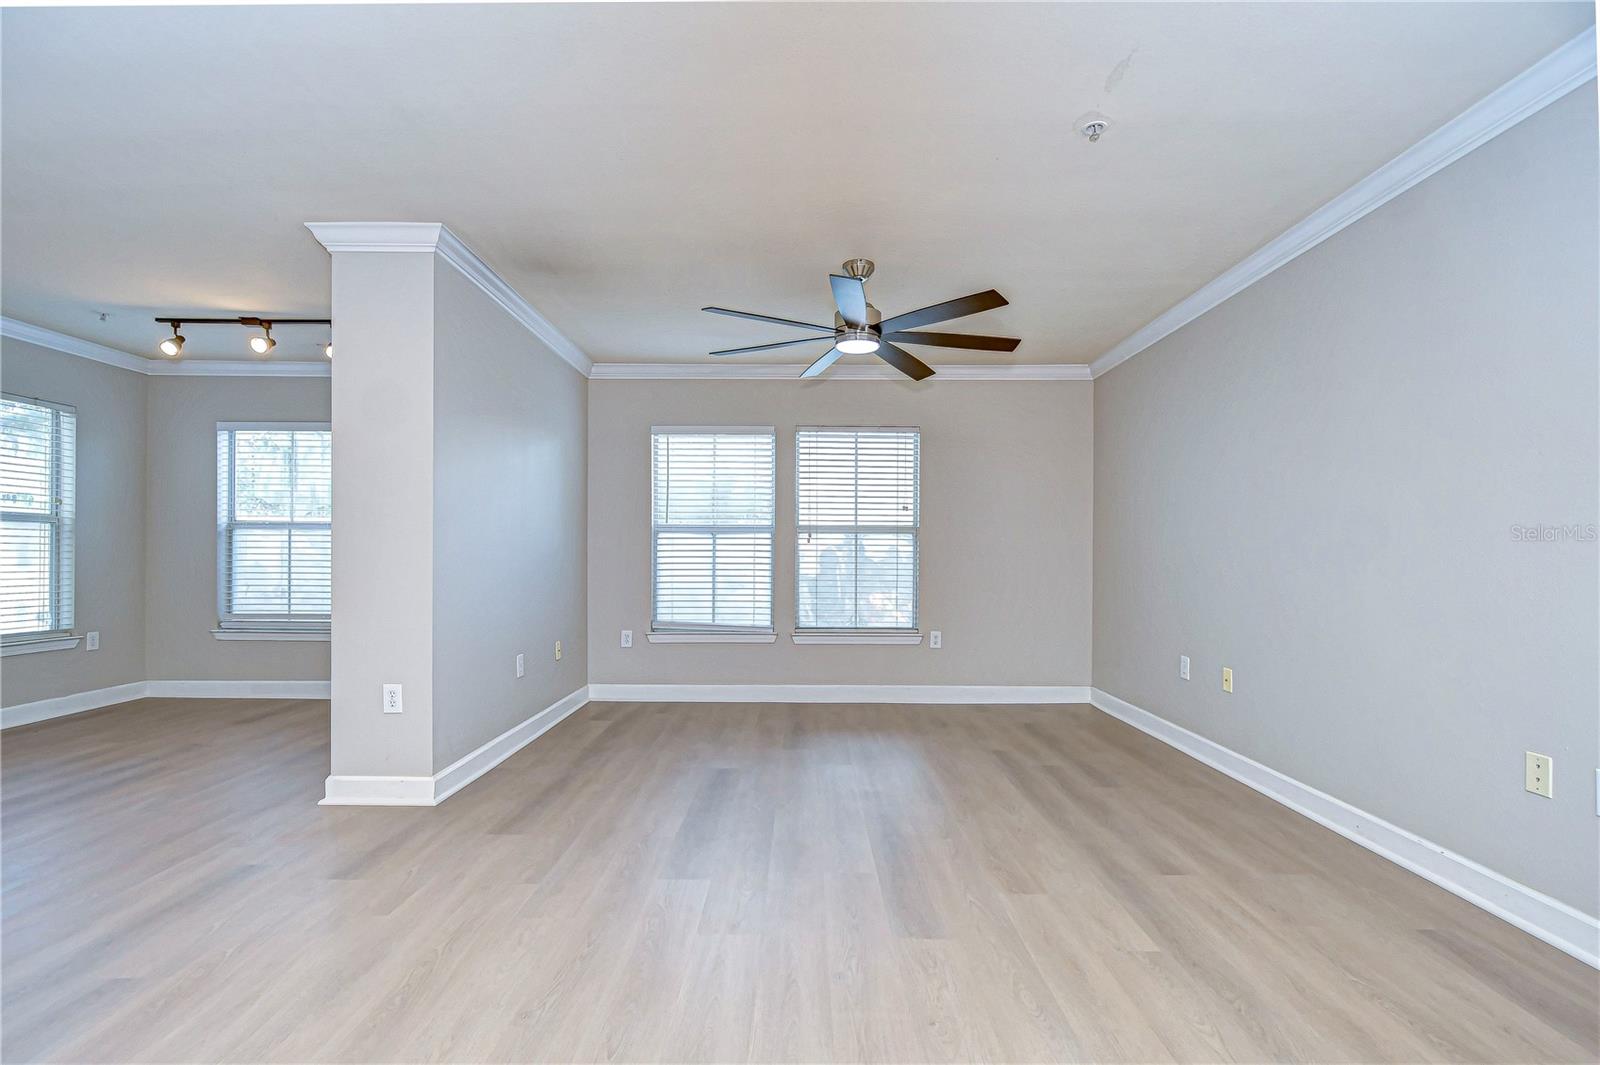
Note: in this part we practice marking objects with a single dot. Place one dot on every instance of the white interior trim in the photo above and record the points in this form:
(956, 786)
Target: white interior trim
(65, 705)
(279, 635)
(122, 360)
(85, 349)
(61, 706)
(377, 791)
(838, 693)
(435, 789)
(1571, 65)
(436, 237)
(238, 689)
(470, 767)
(889, 639)
(1551, 920)
(711, 637)
(26, 646)
(724, 370)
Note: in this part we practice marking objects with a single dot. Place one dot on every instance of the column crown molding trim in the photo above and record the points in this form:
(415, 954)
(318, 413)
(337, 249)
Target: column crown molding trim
(722, 371)
(1560, 72)
(122, 360)
(436, 238)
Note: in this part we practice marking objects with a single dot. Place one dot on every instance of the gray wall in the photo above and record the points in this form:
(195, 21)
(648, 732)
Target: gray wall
(383, 513)
(110, 522)
(1005, 537)
(1316, 484)
(180, 542)
(509, 483)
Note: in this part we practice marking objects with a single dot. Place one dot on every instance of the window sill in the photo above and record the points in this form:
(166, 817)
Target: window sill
(901, 639)
(283, 635)
(711, 637)
(32, 646)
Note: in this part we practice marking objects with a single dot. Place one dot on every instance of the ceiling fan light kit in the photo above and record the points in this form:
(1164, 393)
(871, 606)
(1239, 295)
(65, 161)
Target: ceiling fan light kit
(859, 329)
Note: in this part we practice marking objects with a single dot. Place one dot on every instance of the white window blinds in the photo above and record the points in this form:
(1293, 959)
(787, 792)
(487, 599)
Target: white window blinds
(711, 504)
(856, 517)
(38, 446)
(274, 526)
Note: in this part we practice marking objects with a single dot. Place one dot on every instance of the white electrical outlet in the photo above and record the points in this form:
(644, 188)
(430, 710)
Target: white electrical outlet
(627, 637)
(522, 664)
(1227, 679)
(935, 639)
(392, 703)
(1183, 666)
(1538, 773)
(91, 641)
(558, 650)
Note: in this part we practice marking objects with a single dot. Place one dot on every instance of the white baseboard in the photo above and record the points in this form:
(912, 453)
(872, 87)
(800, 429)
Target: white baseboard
(239, 689)
(838, 693)
(1536, 913)
(465, 770)
(433, 790)
(62, 706)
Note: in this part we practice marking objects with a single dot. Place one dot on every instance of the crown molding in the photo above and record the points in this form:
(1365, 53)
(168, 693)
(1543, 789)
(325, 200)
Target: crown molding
(122, 360)
(436, 238)
(220, 368)
(722, 371)
(87, 349)
(1560, 72)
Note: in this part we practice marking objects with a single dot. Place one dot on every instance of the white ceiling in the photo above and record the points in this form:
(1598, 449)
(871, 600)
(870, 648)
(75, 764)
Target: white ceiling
(622, 165)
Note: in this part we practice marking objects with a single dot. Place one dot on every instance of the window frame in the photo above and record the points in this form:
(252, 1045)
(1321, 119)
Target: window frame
(62, 519)
(825, 634)
(705, 632)
(229, 625)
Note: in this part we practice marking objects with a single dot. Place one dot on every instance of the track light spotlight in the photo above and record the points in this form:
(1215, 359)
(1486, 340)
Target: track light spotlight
(172, 346)
(263, 343)
(327, 349)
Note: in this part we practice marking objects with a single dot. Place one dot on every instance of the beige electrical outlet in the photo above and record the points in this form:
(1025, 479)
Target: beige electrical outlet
(1227, 679)
(558, 650)
(1538, 771)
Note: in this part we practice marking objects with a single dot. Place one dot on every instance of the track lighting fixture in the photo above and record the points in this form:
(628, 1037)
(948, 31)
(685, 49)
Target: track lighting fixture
(263, 343)
(172, 346)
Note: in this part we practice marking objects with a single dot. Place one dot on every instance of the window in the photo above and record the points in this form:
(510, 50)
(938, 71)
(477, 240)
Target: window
(38, 447)
(711, 506)
(274, 526)
(856, 515)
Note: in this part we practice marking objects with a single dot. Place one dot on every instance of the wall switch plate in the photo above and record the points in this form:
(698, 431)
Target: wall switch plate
(1183, 666)
(522, 664)
(558, 650)
(1227, 679)
(1538, 771)
(627, 637)
(392, 703)
(91, 641)
(935, 639)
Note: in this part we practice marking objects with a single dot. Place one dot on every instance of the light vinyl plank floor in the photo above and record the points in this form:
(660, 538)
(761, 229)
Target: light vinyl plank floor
(720, 883)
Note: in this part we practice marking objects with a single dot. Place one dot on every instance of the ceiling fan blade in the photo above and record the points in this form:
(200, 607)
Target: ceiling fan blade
(904, 361)
(850, 294)
(942, 312)
(768, 347)
(768, 318)
(956, 340)
(822, 364)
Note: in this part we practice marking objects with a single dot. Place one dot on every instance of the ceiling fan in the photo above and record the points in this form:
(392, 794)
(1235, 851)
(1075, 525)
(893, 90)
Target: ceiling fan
(858, 328)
